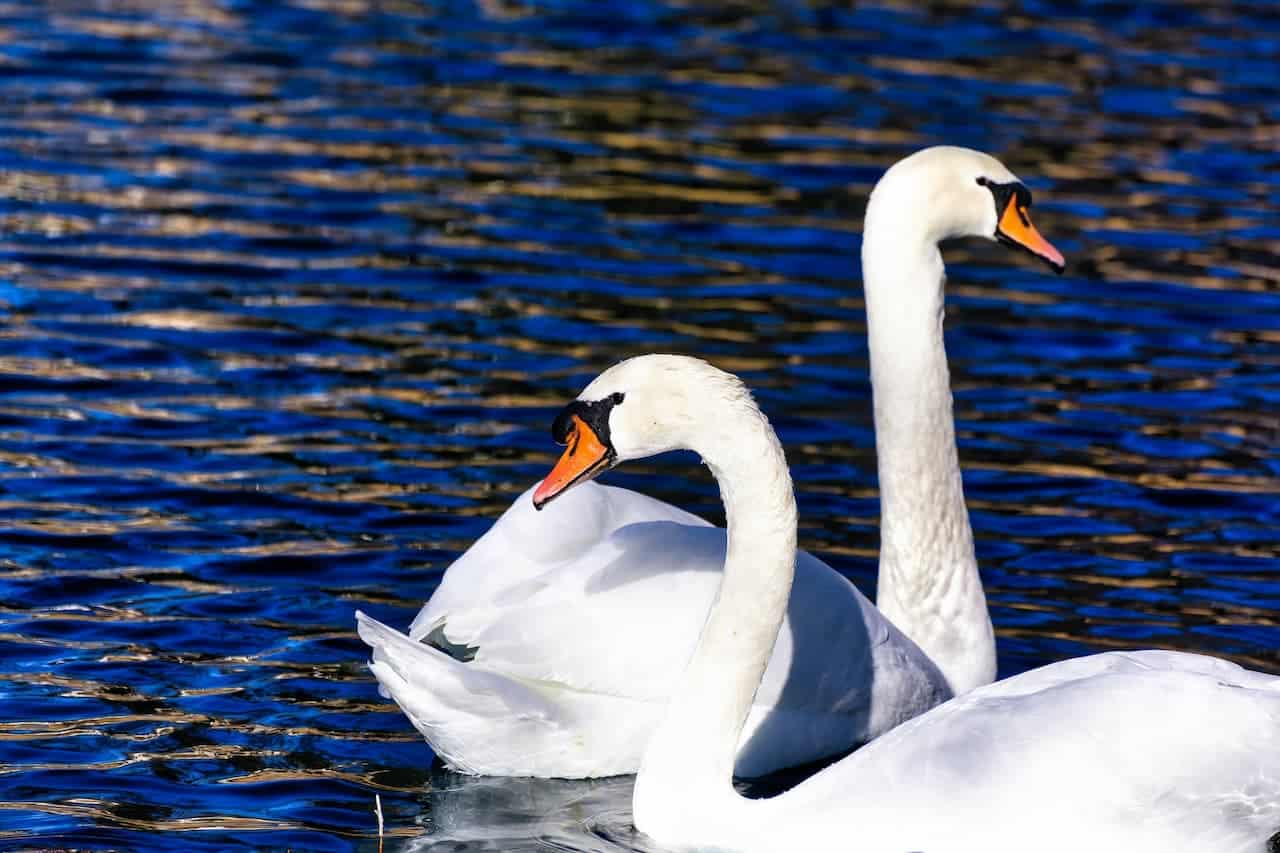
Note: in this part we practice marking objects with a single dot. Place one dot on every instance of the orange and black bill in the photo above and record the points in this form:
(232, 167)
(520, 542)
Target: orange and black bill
(585, 456)
(1015, 229)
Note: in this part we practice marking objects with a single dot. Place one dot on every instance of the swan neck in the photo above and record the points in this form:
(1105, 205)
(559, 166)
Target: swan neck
(686, 774)
(929, 584)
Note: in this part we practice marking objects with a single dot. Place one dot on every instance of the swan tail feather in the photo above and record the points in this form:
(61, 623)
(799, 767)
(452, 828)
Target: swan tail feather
(454, 705)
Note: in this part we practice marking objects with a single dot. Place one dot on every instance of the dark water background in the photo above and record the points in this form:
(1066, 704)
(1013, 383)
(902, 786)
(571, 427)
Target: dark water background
(293, 289)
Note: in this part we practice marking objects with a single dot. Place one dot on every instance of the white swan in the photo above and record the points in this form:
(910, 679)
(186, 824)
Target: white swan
(552, 645)
(1144, 752)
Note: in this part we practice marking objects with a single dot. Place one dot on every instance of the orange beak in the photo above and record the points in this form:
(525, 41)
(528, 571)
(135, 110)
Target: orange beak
(1015, 228)
(583, 458)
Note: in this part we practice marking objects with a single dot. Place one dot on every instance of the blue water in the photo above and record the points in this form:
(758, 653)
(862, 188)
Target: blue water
(294, 289)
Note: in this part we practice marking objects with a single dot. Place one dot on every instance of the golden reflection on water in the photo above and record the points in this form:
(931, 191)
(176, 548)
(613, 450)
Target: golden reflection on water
(320, 306)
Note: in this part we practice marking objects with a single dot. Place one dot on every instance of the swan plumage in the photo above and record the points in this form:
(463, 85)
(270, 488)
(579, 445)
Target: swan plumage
(590, 608)
(566, 675)
(1146, 752)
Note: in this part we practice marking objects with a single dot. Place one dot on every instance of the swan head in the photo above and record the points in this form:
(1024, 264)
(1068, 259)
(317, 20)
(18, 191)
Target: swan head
(639, 407)
(958, 192)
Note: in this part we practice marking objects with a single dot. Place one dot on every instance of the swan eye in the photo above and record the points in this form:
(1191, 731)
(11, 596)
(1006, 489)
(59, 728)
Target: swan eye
(594, 413)
(1003, 193)
(562, 426)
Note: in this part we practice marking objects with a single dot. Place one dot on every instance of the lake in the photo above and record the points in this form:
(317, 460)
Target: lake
(293, 291)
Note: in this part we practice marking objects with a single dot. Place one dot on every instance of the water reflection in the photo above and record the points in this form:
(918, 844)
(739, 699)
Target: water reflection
(472, 813)
(292, 289)
(468, 813)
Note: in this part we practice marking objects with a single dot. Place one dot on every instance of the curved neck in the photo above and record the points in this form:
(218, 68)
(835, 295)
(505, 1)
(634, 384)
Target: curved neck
(686, 775)
(929, 584)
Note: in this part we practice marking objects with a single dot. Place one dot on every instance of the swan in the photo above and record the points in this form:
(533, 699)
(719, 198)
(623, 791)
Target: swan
(1145, 752)
(538, 654)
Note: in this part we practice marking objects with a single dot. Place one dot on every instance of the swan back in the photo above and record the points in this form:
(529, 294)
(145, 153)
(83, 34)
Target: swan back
(1148, 751)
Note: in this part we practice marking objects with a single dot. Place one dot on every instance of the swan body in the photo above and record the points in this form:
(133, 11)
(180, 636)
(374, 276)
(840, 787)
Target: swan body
(551, 647)
(570, 666)
(1136, 751)
(1146, 752)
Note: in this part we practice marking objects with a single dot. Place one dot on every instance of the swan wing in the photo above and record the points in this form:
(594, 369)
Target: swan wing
(622, 618)
(596, 603)
(1159, 751)
(514, 557)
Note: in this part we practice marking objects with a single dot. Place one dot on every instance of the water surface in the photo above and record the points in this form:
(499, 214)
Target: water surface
(294, 289)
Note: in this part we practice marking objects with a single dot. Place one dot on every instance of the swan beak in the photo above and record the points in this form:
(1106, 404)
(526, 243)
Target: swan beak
(1015, 229)
(584, 457)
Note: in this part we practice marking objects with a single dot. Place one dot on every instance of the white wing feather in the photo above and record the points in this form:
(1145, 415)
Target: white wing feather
(595, 604)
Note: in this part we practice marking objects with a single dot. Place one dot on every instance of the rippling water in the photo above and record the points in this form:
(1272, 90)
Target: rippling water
(293, 290)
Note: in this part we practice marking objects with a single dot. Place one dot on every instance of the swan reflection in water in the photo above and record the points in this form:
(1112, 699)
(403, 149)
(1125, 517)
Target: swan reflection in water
(520, 815)
(515, 815)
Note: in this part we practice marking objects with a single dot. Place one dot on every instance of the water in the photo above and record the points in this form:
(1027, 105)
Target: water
(293, 291)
